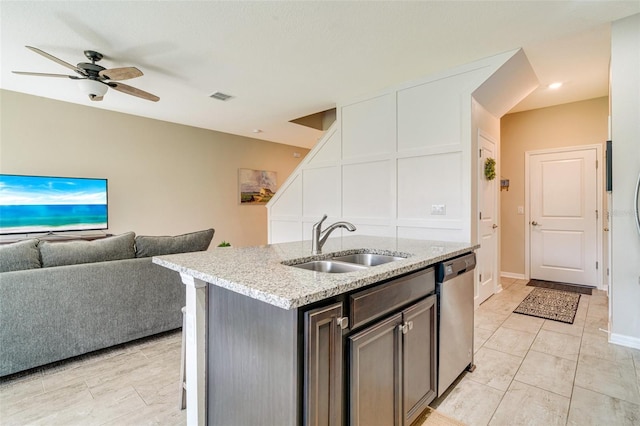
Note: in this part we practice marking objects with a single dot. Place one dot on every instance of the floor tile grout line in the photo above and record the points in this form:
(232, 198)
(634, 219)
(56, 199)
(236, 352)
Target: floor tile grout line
(520, 366)
(573, 387)
(575, 373)
(510, 382)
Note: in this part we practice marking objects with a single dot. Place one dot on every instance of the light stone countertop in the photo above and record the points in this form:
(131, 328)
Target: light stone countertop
(259, 272)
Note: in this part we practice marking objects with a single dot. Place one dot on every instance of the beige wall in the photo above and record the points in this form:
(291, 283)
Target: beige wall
(573, 124)
(164, 178)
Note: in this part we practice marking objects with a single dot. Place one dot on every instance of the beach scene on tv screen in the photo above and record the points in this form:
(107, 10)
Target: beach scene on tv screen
(31, 204)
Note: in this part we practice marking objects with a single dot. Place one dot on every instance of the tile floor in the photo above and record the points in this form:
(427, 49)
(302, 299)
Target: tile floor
(133, 384)
(529, 371)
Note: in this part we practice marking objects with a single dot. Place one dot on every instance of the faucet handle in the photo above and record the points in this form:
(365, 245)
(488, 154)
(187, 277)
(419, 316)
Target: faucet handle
(318, 224)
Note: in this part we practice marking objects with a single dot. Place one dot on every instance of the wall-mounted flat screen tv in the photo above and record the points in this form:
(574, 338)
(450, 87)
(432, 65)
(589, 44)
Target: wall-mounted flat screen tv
(33, 204)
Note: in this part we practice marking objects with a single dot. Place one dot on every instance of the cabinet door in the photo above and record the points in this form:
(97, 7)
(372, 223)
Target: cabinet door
(323, 366)
(419, 357)
(375, 375)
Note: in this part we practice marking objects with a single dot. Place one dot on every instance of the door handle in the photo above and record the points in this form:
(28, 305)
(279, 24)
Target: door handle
(534, 223)
(494, 226)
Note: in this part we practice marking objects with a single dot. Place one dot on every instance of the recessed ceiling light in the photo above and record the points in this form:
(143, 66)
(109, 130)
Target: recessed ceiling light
(555, 85)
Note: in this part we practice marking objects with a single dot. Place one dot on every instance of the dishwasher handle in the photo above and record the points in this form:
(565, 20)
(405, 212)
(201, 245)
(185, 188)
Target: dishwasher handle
(452, 268)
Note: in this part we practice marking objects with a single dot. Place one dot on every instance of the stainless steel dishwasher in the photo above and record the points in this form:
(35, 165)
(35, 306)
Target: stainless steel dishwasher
(454, 287)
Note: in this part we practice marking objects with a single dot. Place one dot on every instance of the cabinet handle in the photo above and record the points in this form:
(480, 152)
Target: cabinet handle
(343, 322)
(406, 327)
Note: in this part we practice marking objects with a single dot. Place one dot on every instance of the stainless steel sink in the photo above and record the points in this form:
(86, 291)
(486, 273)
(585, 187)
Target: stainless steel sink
(330, 266)
(368, 259)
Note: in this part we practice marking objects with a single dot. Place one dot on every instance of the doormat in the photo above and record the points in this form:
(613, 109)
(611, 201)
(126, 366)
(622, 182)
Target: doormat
(574, 288)
(550, 304)
(431, 417)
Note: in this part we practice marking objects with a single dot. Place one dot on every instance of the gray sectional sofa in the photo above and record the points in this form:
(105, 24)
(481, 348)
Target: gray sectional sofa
(63, 299)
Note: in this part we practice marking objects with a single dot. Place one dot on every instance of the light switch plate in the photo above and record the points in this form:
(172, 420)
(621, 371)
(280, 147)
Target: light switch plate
(438, 209)
(520, 210)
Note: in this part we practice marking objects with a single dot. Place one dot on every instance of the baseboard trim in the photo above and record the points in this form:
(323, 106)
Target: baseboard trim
(512, 275)
(622, 340)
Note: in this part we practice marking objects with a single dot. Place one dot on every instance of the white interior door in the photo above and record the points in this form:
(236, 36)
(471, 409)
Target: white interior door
(487, 254)
(563, 218)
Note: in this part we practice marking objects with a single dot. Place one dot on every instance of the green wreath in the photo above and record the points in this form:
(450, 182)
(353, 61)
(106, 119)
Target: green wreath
(490, 169)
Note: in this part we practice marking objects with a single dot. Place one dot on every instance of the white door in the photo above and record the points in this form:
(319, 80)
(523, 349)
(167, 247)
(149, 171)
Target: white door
(487, 254)
(563, 225)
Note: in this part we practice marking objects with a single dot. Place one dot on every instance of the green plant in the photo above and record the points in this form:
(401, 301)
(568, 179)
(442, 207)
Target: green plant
(224, 244)
(490, 169)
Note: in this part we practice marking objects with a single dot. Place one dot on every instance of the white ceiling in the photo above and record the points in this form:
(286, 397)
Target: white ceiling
(284, 60)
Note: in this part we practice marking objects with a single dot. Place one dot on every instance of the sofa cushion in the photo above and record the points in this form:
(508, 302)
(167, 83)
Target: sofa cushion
(157, 246)
(74, 252)
(19, 256)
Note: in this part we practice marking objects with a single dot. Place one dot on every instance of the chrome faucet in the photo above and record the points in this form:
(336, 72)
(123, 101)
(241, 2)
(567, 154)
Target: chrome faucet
(320, 237)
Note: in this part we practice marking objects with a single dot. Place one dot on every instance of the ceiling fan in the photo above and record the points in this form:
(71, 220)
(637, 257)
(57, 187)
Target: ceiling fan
(94, 79)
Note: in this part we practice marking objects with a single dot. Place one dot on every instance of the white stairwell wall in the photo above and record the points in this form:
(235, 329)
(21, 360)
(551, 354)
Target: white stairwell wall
(392, 158)
(625, 134)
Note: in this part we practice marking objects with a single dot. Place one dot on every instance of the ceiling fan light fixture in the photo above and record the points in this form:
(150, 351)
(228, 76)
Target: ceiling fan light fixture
(92, 88)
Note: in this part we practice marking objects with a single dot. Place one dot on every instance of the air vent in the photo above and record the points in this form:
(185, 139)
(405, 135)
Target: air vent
(220, 96)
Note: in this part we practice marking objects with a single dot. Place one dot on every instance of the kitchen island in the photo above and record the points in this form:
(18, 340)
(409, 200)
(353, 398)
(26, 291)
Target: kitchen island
(247, 309)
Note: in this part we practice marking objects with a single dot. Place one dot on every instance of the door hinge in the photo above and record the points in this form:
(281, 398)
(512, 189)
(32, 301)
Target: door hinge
(596, 164)
(607, 271)
(596, 214)
(480, 215)
(480, 153)
(596, 265)
(480, 278)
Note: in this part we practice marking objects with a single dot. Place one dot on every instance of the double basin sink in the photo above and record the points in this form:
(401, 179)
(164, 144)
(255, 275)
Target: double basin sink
(347, 263)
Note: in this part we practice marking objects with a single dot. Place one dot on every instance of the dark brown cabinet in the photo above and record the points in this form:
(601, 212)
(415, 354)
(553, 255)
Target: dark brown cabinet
(374, 374)
(323, 366)
(388, 376)
(393, 367)
(419, 349)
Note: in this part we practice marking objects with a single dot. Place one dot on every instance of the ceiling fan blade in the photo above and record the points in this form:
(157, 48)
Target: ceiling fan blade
(120, 73)
(43, 74)
(133, 91)
(54, 59)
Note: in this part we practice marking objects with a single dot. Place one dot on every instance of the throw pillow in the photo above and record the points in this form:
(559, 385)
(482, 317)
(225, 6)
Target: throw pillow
(19, 256)
(186, 243)
(75, 252)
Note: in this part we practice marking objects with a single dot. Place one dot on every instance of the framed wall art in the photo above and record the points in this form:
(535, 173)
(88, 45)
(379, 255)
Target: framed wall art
(256, 186)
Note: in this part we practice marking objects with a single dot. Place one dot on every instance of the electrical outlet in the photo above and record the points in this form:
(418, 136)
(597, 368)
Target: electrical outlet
(438, 209)
(520, 210)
